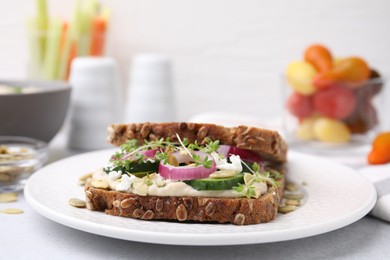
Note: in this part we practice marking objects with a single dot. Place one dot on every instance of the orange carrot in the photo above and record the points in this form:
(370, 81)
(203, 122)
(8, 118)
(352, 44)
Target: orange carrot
(98, 33)
(62, 48)
(64, 34)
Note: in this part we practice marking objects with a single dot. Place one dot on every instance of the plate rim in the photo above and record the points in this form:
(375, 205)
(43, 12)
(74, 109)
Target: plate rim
(196, 239)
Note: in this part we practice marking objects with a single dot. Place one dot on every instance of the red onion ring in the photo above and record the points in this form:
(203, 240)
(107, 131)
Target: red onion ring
(245, 155)
(186, 172)
(132, 156)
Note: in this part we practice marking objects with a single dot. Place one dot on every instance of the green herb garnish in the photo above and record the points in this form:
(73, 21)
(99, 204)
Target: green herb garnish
(247, 189)
(132, 150)
(197, 160)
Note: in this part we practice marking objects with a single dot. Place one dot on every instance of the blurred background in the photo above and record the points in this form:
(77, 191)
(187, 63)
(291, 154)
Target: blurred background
(226, 55)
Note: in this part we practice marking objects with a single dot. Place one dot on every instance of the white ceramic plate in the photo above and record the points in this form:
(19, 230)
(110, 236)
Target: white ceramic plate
(335, 197)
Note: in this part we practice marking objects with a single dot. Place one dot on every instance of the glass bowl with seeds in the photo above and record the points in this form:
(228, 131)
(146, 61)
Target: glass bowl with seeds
(19, 158)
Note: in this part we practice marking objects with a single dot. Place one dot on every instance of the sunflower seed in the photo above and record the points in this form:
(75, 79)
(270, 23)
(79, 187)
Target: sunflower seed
(239, 219)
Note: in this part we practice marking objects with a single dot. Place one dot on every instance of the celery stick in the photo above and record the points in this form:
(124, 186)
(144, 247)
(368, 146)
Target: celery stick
(41, 25)
(35, 50)
(50, 66)
(42, 14)
(88, 12)
(76, 21)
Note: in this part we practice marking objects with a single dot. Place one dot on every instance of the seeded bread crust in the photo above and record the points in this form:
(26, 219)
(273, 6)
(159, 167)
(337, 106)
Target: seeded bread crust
(238, 211)
(269, 144)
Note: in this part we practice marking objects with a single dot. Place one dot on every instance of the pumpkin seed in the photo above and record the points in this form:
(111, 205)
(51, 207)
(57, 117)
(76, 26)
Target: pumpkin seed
(293, 196)
(24, 150)
(248, 177)
(5, 177)
(81, 183)
(78, 203)
(286, 209)
(291, 187)
(293, 202)
(86, 176)
(101, 184)
(222, 174)
(8, 197)
(172, 160)
(11, 211)
(3, 149)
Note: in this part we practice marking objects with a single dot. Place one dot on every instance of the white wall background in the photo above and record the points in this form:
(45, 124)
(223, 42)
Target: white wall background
(227, 54)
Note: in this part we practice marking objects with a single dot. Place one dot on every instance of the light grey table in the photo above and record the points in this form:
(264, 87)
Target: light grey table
(32, 236)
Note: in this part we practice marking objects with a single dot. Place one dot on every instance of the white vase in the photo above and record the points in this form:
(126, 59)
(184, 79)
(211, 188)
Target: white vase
(96, 102)
(150, 95)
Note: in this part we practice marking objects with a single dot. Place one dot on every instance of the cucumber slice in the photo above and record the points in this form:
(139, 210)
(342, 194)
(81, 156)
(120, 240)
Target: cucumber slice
(141, 174)
(147, 167)
(216, 184)
(138, 169)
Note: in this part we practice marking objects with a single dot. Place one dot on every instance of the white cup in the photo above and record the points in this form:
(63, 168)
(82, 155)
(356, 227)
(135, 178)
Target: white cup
(96, 102)
(150, 96)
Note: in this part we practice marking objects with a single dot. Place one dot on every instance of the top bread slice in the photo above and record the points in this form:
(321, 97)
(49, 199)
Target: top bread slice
(267, 143)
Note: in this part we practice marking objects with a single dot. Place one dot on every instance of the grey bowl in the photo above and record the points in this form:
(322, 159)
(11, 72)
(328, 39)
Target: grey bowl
(38, 115)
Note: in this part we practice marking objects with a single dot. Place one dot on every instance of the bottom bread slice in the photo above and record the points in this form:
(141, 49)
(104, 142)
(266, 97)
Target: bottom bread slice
(238, 211)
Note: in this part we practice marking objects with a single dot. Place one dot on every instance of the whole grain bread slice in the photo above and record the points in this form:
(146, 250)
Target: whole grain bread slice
(269, 144)
(238, 211)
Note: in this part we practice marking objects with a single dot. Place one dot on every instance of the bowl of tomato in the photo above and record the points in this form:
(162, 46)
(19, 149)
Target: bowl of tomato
(331, 102)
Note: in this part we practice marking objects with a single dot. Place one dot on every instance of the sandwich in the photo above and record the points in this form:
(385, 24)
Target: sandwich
(191, 172)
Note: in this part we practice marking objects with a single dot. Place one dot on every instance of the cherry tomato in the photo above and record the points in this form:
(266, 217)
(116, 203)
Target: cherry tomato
(320, 57)
(300, 76)
(305, 130)
(335, 102)
(331, 131)
(380, 152)
(353, 70)
(299, 105)
(375, 85)
(363, 119)
(325, 79)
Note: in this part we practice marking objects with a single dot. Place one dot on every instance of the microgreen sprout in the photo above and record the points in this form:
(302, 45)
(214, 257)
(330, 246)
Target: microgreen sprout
(183, 146)
(248, 189)
(196, 158)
